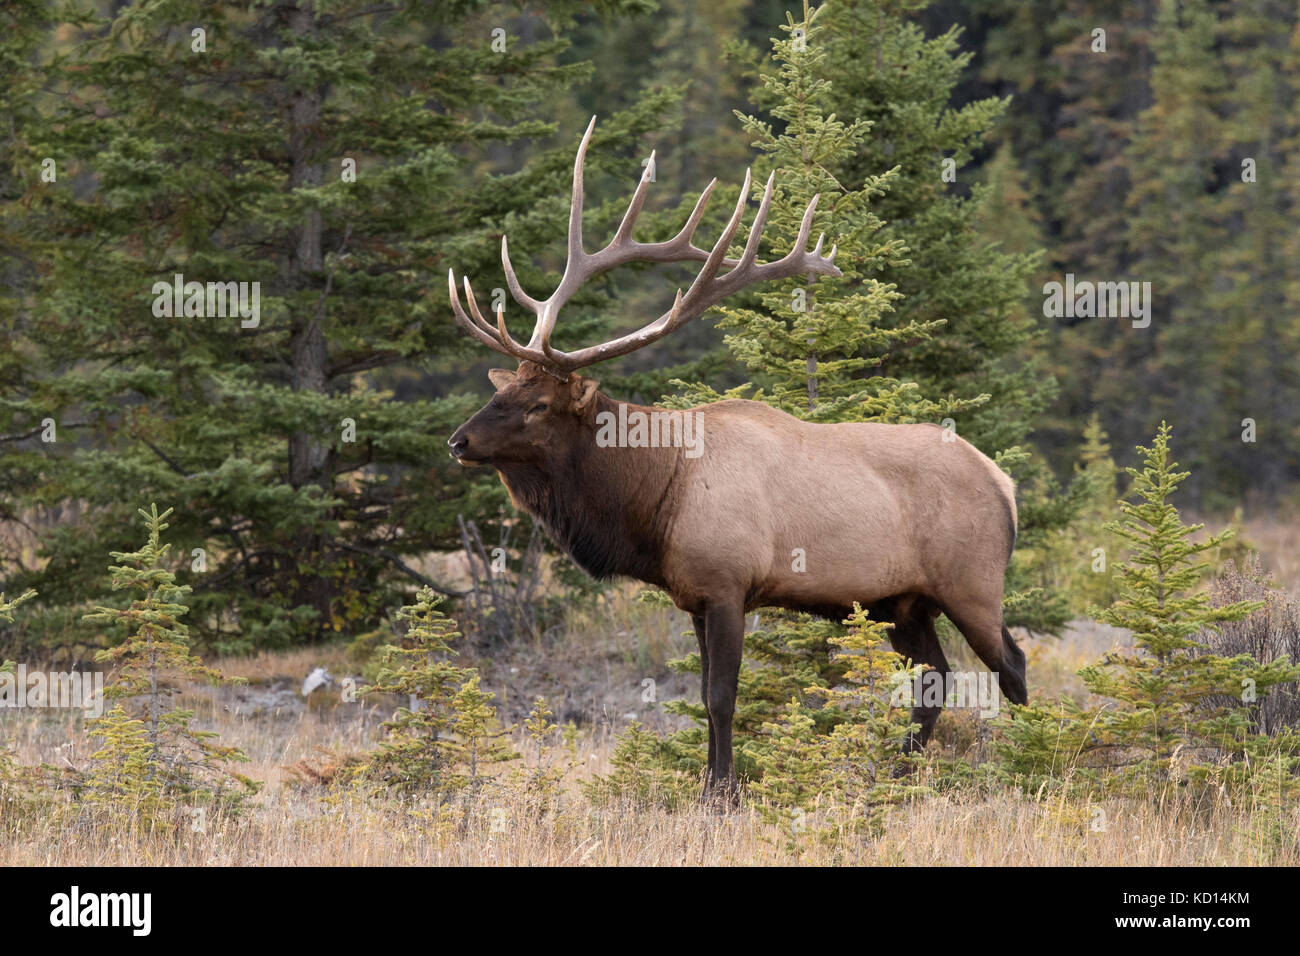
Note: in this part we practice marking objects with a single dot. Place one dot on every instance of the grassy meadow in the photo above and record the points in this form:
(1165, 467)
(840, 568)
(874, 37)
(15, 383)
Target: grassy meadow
(592, 671)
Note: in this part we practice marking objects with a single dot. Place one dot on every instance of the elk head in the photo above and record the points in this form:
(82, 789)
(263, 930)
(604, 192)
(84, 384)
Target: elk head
(532, 416)
(544, 405)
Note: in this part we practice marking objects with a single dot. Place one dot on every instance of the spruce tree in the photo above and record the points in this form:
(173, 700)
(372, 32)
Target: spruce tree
(1162, 724)
(541, 781)
(416, 753)
(842, 781)
(645, 772)
(441, 741)
(152, 757)
(7, 668)
(1074, 563)
(813, 349)
(883, 69)
(478, 740)
(341, 156)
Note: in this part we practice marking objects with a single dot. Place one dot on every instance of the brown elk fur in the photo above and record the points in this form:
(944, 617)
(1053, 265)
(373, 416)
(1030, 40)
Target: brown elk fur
(908, 520)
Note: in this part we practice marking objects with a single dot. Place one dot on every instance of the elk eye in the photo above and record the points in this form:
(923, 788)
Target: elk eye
(539, 407)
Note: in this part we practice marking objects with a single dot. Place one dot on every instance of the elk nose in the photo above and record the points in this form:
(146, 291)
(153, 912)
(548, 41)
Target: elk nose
(458, 444)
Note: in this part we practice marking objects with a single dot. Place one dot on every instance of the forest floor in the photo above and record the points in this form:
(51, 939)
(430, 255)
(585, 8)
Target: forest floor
(594, 674)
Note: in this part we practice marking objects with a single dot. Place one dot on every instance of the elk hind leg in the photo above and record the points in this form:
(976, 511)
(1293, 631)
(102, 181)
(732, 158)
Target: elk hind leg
(981, 624)
(913, 635)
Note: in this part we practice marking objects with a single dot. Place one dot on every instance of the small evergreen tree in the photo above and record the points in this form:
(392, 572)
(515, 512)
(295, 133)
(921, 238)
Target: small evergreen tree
(643, 774)
(848, 775)
(477, 741)
(124, 772)
(416, 753)
(1076, 561)
(151, 757)
(1163, 722)
(541, 782)
(439, 742)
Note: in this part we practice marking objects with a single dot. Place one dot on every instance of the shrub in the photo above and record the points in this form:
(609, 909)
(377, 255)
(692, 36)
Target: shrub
(1269, 633)
(851, 774)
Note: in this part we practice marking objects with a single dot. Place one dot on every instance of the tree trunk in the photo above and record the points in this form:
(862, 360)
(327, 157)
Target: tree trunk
(309, 456)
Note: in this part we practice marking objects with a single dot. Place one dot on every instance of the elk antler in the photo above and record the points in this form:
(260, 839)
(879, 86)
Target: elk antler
(707, 289)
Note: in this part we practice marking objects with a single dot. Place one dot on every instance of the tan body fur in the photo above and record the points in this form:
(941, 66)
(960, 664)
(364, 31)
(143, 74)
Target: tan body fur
(877, 510)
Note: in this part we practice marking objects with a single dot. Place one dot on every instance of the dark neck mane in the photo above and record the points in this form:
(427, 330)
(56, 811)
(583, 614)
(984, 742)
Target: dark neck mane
(606, 507)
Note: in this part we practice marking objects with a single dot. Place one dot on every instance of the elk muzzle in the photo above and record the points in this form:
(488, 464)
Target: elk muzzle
(459, 446)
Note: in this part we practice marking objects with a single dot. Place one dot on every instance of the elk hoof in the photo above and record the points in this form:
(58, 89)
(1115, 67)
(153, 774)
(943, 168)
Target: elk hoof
(721, 795)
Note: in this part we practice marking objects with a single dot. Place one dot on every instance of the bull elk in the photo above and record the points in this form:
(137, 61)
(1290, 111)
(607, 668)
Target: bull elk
(893, 517)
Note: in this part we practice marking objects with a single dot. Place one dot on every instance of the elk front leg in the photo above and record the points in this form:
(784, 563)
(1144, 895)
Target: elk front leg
(701, 637)
(724, 626)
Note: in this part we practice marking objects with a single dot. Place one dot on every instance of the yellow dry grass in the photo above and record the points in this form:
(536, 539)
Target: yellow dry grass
(295, 828)
(292, 824)
(594, 672)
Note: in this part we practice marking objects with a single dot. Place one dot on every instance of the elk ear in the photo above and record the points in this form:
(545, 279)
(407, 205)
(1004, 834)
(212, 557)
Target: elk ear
(501, 377)
(583, 391)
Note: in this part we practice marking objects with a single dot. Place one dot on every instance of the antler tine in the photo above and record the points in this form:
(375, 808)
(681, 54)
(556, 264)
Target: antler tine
(468, 324)
(719, 250)
(624, 233)
(676, 316)
(799, 260)
(474, 312)
(504, 334)
(760, 220)
(545, 357)
(512, 282)
(575, 204)
(687, 232)
(805, 227)
(575, 266)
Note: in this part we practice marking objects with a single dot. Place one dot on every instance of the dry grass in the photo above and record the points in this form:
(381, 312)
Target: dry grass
(294, 827)
(291, 824)
(594, 674)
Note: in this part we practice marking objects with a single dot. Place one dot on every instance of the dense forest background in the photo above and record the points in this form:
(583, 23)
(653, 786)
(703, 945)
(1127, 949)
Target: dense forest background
(344, 155)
